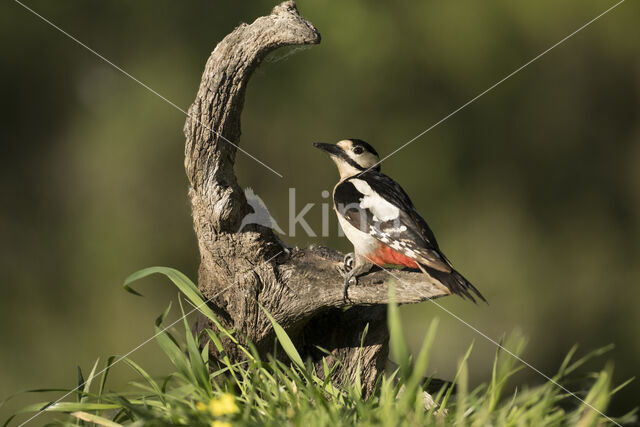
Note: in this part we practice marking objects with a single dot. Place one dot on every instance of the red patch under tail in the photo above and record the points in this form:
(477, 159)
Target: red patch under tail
(385, 255)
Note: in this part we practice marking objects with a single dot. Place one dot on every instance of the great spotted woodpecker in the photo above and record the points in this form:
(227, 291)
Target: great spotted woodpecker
(381, 222)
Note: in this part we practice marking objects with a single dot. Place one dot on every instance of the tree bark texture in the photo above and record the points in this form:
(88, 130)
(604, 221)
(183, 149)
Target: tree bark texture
(301, 288)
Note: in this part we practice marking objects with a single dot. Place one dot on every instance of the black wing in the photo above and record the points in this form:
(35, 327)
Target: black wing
(394, 193)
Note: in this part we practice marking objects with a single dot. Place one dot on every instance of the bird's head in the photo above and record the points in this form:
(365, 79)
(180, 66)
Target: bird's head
(351, 156)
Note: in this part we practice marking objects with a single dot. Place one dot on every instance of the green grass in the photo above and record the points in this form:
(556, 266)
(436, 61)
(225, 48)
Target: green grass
(206, 392)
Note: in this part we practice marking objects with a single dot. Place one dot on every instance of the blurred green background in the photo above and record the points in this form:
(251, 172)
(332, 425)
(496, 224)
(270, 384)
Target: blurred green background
(533, 191)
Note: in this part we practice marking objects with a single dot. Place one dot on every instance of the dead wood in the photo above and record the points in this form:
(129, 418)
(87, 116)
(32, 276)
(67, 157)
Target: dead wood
(301, 288)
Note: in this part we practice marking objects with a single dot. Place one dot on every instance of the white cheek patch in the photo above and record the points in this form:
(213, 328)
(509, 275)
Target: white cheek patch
(381, 209)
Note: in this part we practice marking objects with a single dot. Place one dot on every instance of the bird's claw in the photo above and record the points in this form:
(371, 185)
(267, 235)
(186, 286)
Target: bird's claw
(344, 273)
(348, 273)
(348, 261)
(345, 290)
(350, 279)
(347, 265)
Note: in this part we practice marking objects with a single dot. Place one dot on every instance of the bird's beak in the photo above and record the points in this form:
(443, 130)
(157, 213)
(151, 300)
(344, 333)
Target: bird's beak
(329, 148)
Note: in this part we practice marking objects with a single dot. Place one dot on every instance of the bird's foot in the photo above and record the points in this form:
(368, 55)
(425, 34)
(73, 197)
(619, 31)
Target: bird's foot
(350, 270)
(349, 261)
(349, 279)
(347, 265)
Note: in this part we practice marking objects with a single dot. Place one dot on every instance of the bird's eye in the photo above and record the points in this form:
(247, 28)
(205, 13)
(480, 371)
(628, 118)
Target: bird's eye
(358, 150)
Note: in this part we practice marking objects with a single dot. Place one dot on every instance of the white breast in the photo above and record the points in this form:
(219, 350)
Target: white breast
(362, 242)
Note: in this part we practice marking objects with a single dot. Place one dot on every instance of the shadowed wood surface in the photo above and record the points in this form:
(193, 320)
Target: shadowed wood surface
(301, 288)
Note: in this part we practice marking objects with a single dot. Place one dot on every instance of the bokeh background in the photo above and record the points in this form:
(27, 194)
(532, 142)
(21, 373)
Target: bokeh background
(533, 191)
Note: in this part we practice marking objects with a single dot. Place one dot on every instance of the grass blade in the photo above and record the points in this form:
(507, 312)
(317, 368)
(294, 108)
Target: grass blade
(285, 341)
(92, 418)
(198, 367)
(397, 343)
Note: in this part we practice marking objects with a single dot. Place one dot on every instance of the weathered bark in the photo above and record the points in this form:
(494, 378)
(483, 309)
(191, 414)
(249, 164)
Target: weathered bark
(301, 288)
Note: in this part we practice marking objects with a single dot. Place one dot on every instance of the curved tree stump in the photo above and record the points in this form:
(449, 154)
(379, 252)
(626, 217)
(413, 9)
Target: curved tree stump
(301, 288)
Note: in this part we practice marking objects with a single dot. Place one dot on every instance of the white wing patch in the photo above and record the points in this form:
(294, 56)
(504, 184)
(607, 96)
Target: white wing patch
(381, 209)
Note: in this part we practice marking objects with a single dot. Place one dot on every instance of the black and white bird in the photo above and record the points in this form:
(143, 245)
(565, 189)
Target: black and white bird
(379, 219)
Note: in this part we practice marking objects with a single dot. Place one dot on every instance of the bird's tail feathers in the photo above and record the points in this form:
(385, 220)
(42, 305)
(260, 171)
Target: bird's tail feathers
(454, 281)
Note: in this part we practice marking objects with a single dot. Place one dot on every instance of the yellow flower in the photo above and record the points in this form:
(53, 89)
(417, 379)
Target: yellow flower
(225, 404)
(201, 406)
(220, 424)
